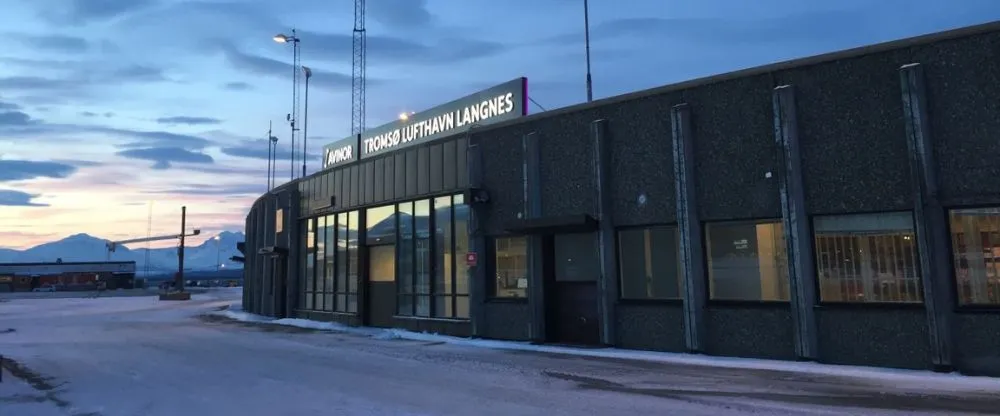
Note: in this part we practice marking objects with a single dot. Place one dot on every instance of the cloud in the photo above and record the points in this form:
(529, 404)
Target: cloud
(390, 49)
(207, 189)
(12, 198)
(400, 13)
(257, 149)
(190, 120)
(237, 86)
(163, 157)
(19, 170)
(271, 67)
(92, 114)
(9, 106)
(82, 12)
(816, 26)
(136, 73)
(55, 43)
(157, 138)
(15, 118)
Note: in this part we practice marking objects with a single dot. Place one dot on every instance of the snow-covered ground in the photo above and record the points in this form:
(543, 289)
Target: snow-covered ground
(140, 356)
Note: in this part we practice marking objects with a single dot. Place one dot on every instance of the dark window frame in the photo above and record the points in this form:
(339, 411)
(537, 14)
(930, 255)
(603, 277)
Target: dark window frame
(491, 288)
(817, 279)
(433, 265)
(707, 263)
(953, 278)
(618, 273)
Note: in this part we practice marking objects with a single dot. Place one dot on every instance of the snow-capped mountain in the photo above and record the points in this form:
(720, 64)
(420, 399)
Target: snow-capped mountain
(83, 247)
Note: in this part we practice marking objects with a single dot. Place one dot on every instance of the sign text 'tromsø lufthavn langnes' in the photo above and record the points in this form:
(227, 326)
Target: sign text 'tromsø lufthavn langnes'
(469, 115)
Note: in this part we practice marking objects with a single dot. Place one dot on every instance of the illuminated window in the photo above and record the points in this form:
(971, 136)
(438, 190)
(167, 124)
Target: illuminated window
(511, 267)
(747, 261)
(975, 242)
(867, 258)
(433, 276)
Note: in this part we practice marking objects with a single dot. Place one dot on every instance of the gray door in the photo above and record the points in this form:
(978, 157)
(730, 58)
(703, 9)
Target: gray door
(381, 285)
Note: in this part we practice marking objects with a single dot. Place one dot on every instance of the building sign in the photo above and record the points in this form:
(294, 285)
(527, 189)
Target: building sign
(340, 152)
(499, 103)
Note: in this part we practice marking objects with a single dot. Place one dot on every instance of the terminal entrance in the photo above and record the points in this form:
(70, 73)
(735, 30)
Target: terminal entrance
(381, 299)
(571, 270)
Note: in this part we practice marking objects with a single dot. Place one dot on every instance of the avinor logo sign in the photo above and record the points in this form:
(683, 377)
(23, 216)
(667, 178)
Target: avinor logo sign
(499, 103)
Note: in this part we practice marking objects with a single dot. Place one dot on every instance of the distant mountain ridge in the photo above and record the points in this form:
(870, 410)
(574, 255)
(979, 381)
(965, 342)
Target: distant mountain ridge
(84, 247)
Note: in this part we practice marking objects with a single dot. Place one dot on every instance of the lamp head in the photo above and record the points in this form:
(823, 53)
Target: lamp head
(307, 71)
(281, 38)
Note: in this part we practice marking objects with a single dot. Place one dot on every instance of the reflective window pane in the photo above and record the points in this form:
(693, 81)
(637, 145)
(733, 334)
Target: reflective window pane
(867, 258)
(461, 245)
(404, 249)
(320, 263)
(342, 258)
(649, 265)
(422, 213)
(380, 223)
(352, 252)
(975, 242)
(747, 261)
(443, 248)
(310, 274)
(330, 255)
(511, 267)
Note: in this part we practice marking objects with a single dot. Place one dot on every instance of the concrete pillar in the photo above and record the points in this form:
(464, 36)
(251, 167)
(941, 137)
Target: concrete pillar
(795, 220)
(477, 244)
(690, 230)
(532, 187)
(930, 219)
(608, 283)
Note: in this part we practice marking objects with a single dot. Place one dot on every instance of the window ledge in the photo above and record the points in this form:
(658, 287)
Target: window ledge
(870, 305)
(428, 318)
(978, 310)
(736, 304)
(507, 300)
(662, 302)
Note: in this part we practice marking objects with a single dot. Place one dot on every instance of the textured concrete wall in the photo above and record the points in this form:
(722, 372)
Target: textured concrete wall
(762, 331)
(507, 320)
(878, 337)
(656, 327)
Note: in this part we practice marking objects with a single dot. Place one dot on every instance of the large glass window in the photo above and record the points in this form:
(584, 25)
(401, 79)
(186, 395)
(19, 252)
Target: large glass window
(330, 278)
(404, 259)
(867, 258)
(648, 263)
(511, 267)
(432, 278)
(329, 262)
(461, 268)
(310, 269)
(975, 242)
(352, 262)
(422, 259)
(747, 261)
(318, 303)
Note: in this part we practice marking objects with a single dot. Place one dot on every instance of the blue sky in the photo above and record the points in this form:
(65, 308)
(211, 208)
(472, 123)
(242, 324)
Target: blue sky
(110, 106)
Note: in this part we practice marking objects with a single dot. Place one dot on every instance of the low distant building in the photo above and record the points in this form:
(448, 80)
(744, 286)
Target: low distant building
(23, 277)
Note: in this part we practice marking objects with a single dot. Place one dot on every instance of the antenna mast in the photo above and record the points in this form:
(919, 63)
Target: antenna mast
(358, 72)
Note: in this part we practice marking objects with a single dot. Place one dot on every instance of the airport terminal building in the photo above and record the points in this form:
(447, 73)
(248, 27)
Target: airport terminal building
(843, 208)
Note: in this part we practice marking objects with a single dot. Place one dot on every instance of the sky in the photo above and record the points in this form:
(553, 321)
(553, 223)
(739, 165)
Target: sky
(113, 112)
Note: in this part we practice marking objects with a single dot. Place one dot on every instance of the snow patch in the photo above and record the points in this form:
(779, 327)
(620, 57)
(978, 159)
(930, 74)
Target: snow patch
(939, 381)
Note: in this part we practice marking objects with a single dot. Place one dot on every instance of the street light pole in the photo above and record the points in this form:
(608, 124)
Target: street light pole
(291, 118)
(305, 121)
(586, 26)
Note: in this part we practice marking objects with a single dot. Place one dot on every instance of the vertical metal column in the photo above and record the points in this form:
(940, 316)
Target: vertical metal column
(532, 181)
(477, 244)
(689, 228)
(929, 215)
(795, 221)
(608, 284)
